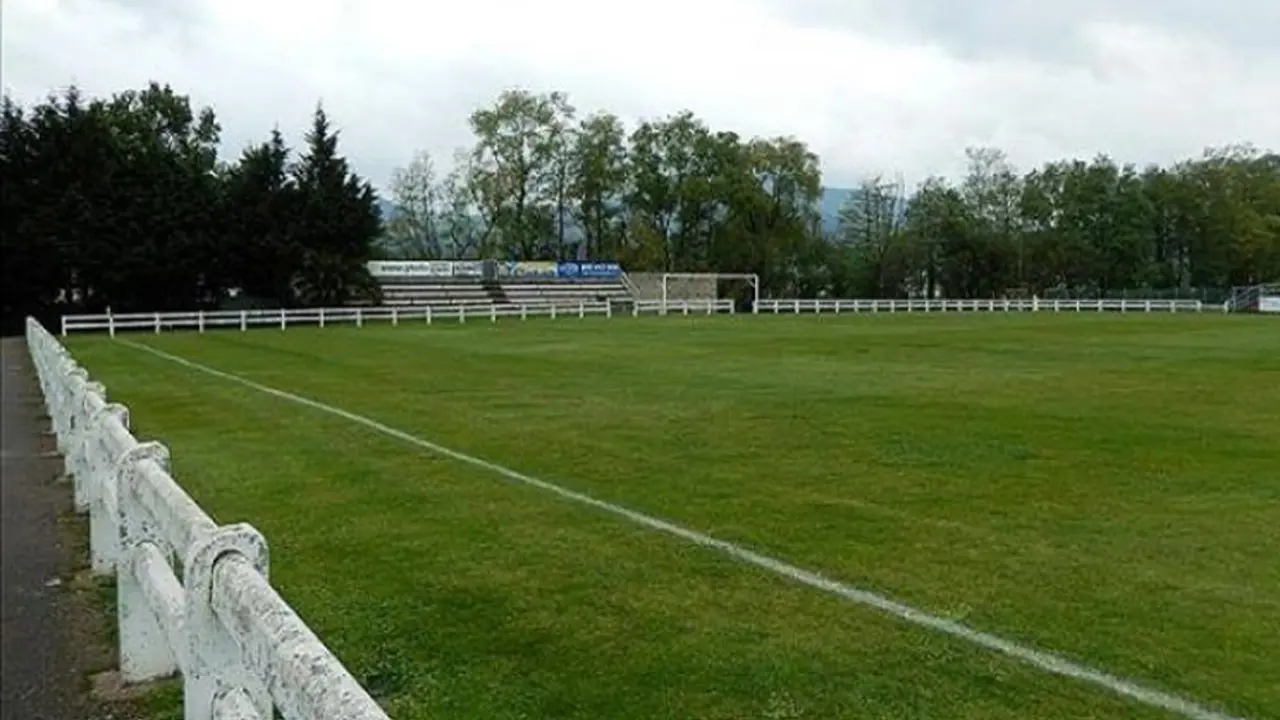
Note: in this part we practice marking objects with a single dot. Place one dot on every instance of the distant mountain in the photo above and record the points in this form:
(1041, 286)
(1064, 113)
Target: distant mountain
(829, 205)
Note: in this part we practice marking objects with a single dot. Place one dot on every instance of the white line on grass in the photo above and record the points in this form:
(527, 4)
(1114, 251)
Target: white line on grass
(1046, 661)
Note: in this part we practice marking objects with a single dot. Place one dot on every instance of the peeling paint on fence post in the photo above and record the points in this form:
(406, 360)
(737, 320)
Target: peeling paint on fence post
(213, 659)
(144, 645)
(104, 532)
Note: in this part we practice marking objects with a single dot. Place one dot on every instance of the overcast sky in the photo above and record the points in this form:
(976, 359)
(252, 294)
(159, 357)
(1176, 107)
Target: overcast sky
(874, 86)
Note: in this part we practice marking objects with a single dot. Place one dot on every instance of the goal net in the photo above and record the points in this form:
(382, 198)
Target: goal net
(736, 292)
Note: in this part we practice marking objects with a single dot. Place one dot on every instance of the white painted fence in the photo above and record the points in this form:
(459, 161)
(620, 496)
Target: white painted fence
(245, 319)
(193, 596)
(1033, 305)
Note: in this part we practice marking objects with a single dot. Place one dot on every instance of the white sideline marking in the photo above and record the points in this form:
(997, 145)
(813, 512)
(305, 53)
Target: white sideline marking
(1046, 661)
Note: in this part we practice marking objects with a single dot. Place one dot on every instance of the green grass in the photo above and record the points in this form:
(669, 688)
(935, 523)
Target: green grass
(1104, 487)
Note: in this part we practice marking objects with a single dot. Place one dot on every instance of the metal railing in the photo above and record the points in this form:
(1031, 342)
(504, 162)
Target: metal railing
(798, 306)
(428, 314)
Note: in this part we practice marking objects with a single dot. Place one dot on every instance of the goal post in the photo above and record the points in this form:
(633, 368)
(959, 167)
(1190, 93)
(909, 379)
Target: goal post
(706, 286)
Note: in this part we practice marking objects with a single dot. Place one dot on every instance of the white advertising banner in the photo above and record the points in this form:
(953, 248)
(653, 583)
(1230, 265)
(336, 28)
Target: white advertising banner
(411, 268)
(468, 268)
(1269, 304)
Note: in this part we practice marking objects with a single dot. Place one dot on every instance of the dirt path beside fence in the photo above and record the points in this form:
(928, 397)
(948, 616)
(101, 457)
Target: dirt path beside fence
(53, 636)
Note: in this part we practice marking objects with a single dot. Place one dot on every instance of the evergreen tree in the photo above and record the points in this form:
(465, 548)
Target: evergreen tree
(338, 221)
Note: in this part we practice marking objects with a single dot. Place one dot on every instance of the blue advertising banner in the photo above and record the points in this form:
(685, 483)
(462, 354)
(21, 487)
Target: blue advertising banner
(588, 270)
(599, 270)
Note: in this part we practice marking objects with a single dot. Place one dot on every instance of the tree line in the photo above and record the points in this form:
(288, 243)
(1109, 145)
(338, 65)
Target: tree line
(674, 194)
(123, 203)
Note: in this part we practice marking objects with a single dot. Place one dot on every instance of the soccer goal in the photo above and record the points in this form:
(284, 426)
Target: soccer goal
(680, 288)
(1254, 299)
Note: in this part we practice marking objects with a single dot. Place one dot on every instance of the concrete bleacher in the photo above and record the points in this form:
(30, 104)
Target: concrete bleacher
(539, 291)
(441, 284)
(446, 292)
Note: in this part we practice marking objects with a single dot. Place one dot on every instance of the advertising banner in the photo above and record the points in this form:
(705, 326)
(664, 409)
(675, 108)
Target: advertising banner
(1269, 304)
(528, 269)
(588, 270)
(599, 270)
(410, 268)
(468, 268)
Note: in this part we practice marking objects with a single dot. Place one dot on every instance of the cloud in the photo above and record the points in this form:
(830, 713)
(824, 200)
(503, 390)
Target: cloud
(873, 86)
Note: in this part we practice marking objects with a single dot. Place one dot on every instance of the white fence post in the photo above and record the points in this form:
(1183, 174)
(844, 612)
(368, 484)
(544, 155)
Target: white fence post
(157, 323)
(395, 316)
(79, 436)
(200, 318)
(359, 318)
(321, 317)
(524, 311)
(553, 311)
(582, 309)
(428, 314)
(493, 313)
(283, 319)
(462, 313)
(213, 658)
(244, 320)
(101, 467)
(145, 653)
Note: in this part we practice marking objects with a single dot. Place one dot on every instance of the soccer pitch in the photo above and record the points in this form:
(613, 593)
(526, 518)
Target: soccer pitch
(469, 531)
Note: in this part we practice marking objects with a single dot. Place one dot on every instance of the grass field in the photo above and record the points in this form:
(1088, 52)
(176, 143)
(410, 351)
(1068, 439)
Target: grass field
(1102, 487)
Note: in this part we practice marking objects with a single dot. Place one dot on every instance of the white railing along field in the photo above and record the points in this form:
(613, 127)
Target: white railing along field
(245, 319)
(798, 306)
(192, 596)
